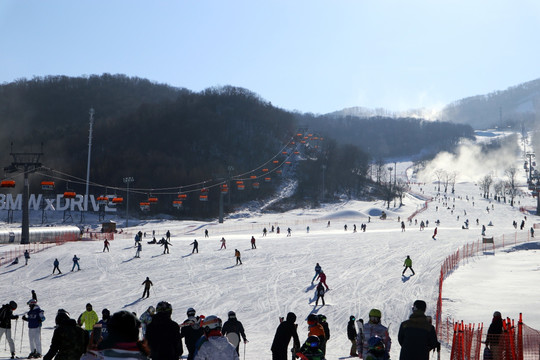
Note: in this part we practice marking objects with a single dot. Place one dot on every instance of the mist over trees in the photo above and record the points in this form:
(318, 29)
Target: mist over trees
(166, 137)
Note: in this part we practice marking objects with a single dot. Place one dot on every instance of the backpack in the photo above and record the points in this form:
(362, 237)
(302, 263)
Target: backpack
(4, 313)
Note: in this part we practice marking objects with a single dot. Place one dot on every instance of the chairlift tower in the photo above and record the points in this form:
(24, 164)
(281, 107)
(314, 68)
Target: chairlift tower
(127, 180)
(91, 112)
(27, 162)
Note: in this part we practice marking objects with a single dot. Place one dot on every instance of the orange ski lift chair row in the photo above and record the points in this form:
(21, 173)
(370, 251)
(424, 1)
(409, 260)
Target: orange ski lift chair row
(204, 194)
(7, 183)
(47, 185)
(145, 206)
(178, 204)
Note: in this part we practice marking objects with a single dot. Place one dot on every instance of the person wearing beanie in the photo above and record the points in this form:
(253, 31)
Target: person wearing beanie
(123, 339)
(69, 341)
(213, 345)
(105, 317)
(416, 335)
(146, 318)
(284, 332)
(374, 328)
(163, 334)
(494, 334)
(351, 335)
(191, 331)
(6, 315)
(233, 326)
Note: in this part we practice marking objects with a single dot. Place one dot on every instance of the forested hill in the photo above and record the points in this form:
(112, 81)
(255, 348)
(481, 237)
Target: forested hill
(169, 137)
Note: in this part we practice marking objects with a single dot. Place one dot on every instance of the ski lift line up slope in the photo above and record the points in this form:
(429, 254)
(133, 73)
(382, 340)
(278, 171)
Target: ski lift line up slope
(209, 183)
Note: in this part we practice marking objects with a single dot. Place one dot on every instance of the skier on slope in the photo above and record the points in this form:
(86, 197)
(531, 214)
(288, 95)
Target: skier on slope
(76, 263)
(147, 284)
(322, 278)
(237, 255)
(253, 246)
(223, 244)
(35, 317)
(408, 265)
(165, 245)
(374, 328)
(326, 327)
(6, 315)
(56, 263)
(195, 246)
(106, 245)
(319, 293)
(318, 269)
(351, 335)
(26, 257)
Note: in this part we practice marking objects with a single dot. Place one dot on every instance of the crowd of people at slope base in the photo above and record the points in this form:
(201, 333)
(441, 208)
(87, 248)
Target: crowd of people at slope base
(155, 335)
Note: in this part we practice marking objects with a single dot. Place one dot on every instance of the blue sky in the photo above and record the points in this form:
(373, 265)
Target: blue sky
(311, 56)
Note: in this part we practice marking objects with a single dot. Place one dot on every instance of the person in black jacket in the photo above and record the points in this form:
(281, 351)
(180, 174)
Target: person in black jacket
(163, 334)
(6, 315)
(284, 332)
(191, 331)
(326, 327)
(69, 341)
(494, 334)
(351, 335)
(234, 326)
(417, 336)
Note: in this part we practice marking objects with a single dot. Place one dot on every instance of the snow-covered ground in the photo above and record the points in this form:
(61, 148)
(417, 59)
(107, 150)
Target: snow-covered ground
(363, 268)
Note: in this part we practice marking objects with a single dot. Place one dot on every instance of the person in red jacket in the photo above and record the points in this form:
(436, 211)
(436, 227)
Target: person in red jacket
(322, 278)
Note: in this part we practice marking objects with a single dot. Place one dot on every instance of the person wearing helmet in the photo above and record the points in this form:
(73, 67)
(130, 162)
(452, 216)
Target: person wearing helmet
(416, 335)
(408, 265)
(376, 349)
(146, 318)
(315, 328)
(233, 326)
(163, 334)
(374, 328)
(351, 335)
(69, 341)
(35, 316)
(285, 331)
(213, 345)
(326, 327)
(191, 331)
(6, 315)
(311, 350)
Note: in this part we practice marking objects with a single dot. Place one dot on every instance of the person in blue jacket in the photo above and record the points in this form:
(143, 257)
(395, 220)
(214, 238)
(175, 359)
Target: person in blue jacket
(317, 272)
(35, 318)
(76, 263)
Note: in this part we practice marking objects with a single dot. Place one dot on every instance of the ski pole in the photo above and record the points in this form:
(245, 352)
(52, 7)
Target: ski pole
(244, 350)
(15, 332)
(22, 335)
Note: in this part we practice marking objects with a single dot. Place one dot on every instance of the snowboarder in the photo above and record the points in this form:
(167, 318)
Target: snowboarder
(26, 257)
(374, 328)
(214, 342)
(408, 265)
(146, 318)
(56, 263)
(195, 246)
(147, 283)
(284, 332)
(35, 316)
(253, 246)
(223, 245)
(434, 233)
(351, 335)
(318, 269)
(139, 249)
(319, 293)
(88, 318)
(106, 245)
(165, 245)
(233, 330)
(237, 254)
(15, 261)
(76, 263)
(416, 335)
(6, 315)
(322, 278)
